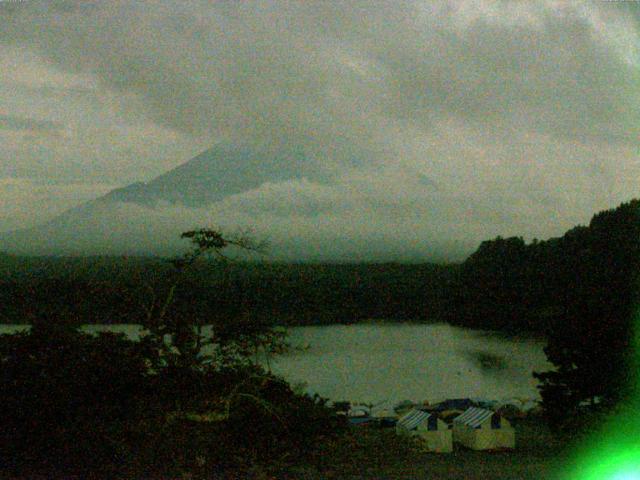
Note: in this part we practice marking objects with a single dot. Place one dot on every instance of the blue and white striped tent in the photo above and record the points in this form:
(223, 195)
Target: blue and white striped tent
(474, 417)
(482, 429)
(411, 420)
(435, 434)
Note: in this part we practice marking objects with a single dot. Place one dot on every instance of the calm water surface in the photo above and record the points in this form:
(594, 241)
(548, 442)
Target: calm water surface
(391, 362)
(378, 362)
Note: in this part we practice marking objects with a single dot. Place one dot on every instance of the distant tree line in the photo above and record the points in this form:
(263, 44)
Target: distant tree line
(114, 289)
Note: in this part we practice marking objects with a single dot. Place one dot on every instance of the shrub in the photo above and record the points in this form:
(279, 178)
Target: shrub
(67, 399)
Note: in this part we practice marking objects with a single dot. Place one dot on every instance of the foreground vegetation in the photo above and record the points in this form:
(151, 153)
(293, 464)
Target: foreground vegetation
(74, 404)
(88, 406)
(160, 407)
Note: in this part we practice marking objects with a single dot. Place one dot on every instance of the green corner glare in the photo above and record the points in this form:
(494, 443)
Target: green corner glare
(625, 466)
(614, 452)
(633, 475)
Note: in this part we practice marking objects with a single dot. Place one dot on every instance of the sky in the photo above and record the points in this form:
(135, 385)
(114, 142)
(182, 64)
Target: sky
(432, 125)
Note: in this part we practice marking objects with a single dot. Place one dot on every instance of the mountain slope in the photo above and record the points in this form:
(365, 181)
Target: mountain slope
(213, 175)
(105, 226)
(287, 199)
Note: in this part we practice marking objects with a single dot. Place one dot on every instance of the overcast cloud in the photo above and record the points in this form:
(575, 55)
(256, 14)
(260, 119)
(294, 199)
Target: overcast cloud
(429, 123)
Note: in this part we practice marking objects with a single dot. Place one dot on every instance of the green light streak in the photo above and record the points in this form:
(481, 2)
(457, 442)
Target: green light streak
(613, 453)
(624, 466)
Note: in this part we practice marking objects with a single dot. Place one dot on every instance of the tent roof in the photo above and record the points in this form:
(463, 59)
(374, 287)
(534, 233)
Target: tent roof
(414, 418)
(474, 417)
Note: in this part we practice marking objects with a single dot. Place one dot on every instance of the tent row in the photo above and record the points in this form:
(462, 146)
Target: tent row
(477, 429)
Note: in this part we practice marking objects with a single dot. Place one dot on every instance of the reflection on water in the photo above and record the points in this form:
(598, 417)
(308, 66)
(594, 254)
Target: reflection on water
(377, 362)
(488, 361)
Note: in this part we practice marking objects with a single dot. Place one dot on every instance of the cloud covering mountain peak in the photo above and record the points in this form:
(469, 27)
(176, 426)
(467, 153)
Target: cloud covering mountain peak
(457, 120)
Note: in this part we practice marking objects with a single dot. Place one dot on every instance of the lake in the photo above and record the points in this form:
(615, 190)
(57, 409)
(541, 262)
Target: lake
(378, 362)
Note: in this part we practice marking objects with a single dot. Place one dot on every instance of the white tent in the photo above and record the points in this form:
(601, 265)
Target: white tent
(358, 411)
(383, 410)
(481, 429)
(434, 432)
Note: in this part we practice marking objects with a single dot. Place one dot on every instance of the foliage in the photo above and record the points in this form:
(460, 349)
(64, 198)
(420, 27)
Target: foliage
(67, 398)
(178, 336)
(105, 406)
(494, 287)
(120, 290)
(578, 290)
(83, 405)
(591, 344)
